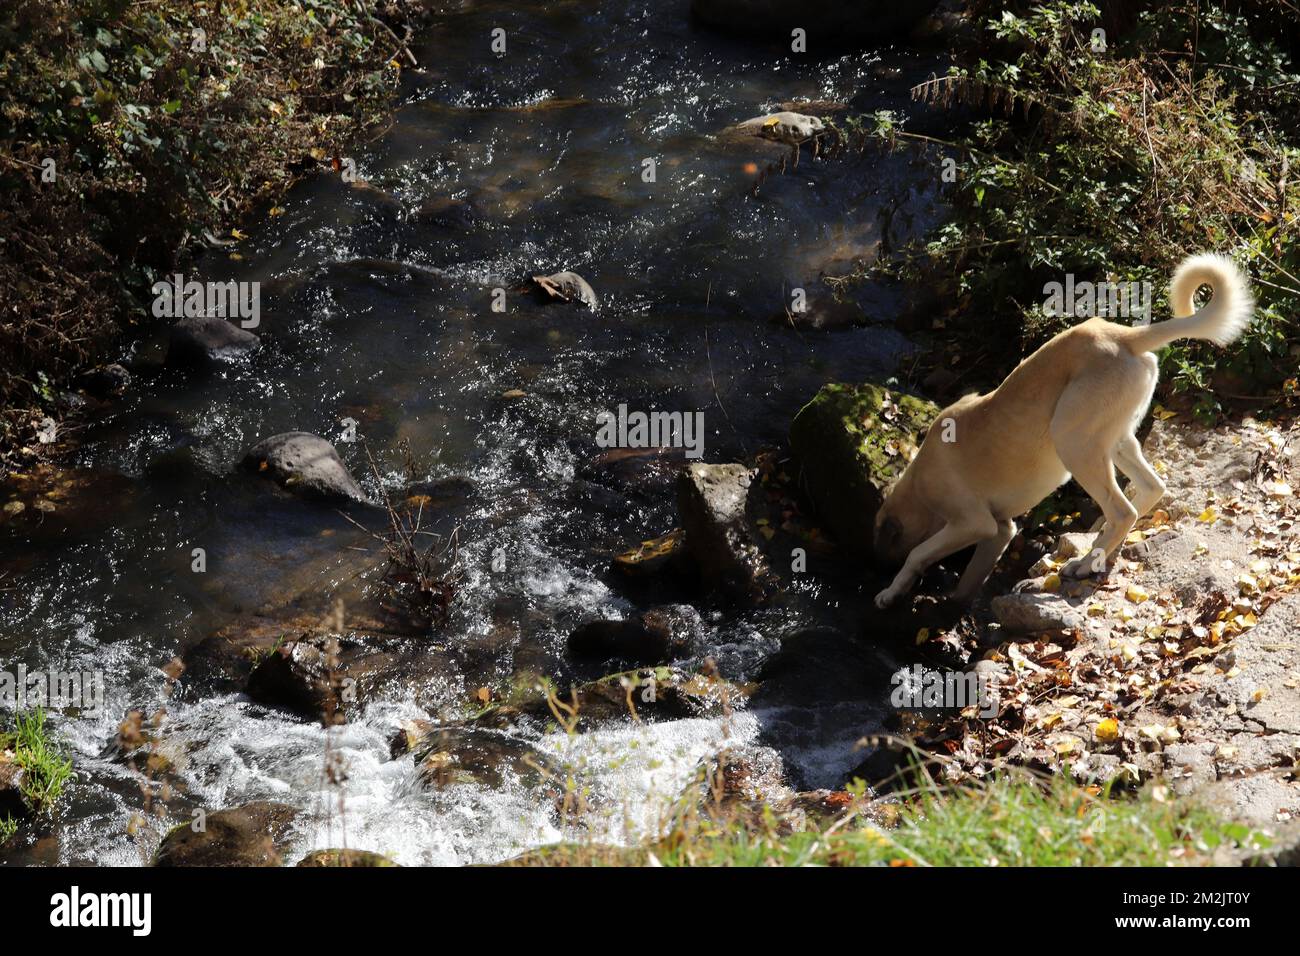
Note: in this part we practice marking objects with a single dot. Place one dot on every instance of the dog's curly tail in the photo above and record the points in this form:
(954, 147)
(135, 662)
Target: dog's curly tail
(1220, 321)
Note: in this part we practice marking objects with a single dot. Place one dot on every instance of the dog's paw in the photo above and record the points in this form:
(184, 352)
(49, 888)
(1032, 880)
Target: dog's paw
(886, 598)
(1084, 567)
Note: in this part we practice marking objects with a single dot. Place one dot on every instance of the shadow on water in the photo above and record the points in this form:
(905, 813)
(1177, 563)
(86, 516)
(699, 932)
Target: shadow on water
(377, 308)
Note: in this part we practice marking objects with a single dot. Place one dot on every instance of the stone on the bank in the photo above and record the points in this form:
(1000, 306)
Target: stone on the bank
(305, 464)
(1027, 613)
(852, 442)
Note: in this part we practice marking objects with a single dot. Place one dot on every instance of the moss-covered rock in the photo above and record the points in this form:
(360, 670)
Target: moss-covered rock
(852, 441)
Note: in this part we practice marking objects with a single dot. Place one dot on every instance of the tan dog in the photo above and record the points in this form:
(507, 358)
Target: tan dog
(1071, 408)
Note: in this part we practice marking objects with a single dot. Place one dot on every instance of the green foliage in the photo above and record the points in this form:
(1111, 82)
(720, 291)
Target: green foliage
(8, 828)
(160, 122)
(1114, 163)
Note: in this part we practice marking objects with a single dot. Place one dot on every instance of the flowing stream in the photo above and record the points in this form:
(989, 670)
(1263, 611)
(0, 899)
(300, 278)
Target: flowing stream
(375, 313)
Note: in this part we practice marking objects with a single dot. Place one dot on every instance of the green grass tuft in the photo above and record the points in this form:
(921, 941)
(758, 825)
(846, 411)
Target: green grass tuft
(47, 770)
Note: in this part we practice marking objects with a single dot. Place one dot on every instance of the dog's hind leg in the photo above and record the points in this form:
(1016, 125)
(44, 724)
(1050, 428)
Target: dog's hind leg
(981, 565)
(950, 539)
(1095, 472)
(1147, 487)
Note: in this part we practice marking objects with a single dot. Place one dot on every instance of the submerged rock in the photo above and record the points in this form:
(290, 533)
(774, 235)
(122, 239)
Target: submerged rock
(106, 381)
(345, 857)
(300, 676)
(305, 464)
(712, 501)
(448, 213)
(823, 310)
(204, 340)
(250, 835)
(477, 755)
(852, 441)
(321, 677)
(223, 661)
(644, 473)
(408, 736)
(566, 287)
(658, 636)
(649, 693)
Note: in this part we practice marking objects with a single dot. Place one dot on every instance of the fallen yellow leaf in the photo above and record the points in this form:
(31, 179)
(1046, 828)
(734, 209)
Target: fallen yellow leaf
(1107, 731)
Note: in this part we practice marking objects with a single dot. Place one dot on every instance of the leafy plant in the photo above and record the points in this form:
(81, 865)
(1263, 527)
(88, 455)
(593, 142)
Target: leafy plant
(1113, 160)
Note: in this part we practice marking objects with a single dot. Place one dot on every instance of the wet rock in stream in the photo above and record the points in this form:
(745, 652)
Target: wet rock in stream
(657, 636)
(254, 834)
(566, 287)
(202, 341)
(823, 310)
(785, 127)
(816, 698)
(106, 381)
(12, 803)
(458, 755)
(304, 464)
(653, 555)
(646, 474)
(320, 675)
(223, 661)
(712, 501)
(447, 212)
(657, 693)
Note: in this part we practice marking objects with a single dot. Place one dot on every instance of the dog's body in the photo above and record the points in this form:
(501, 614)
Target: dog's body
(1071, 408)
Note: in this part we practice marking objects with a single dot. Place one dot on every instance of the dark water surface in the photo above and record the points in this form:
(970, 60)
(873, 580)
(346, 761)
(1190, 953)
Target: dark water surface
(374, 314)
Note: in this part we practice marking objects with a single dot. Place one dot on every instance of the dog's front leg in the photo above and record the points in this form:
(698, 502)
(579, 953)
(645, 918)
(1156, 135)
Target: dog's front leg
(948, 540)
(982, 563)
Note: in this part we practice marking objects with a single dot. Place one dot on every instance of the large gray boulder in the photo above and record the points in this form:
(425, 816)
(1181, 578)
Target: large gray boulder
(305, 464)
